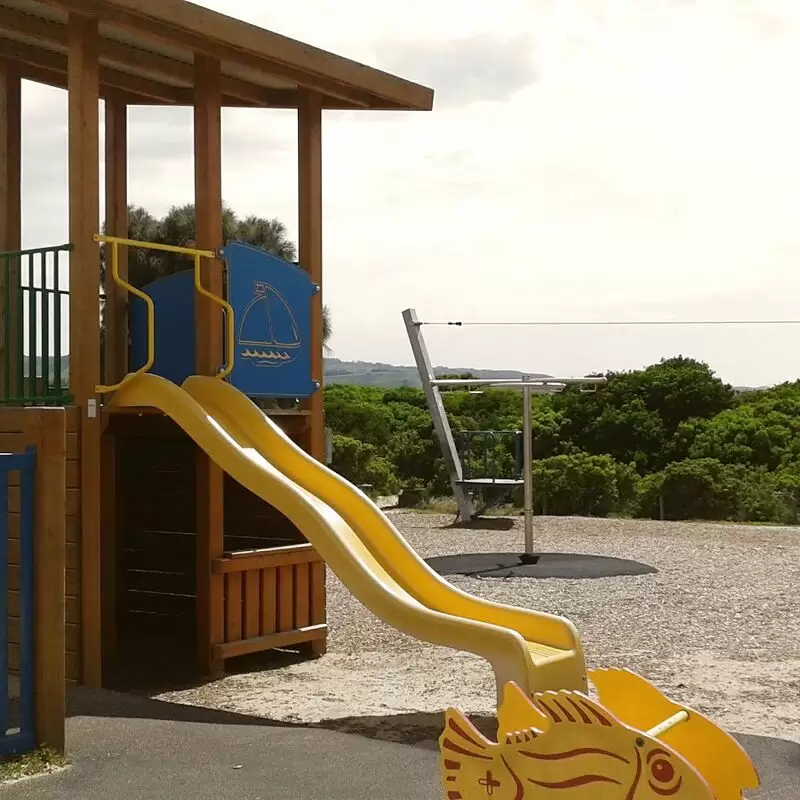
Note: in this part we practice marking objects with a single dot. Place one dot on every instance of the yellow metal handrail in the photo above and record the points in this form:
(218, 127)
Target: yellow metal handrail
(115, 242)
(227, 308)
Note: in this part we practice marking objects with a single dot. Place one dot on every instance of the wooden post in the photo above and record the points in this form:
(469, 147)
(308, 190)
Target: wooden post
(208, 353)
(309, 159)
(115, 360)
(309, 164)
(50, 441)
(10, 204)
(116, 322)
(84, 327)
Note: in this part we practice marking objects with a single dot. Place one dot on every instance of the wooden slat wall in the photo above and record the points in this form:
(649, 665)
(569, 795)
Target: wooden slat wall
(15, 438)
(273, 598)
(156, 528)
(250, 523)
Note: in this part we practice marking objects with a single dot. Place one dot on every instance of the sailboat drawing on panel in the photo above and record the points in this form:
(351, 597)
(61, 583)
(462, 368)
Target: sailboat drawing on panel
(269, 335)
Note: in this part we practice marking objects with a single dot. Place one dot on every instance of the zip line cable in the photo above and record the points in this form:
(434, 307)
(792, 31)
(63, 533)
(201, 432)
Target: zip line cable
(618, 323)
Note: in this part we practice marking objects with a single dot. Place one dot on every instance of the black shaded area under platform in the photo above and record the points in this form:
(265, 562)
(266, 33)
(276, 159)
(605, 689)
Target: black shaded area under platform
(540, 565)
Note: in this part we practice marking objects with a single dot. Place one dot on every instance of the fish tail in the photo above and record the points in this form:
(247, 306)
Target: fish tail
(469, 761)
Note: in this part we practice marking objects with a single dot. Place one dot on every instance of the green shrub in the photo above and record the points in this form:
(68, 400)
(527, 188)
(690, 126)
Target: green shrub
(361, 464)
(581, 485)
(705, 488)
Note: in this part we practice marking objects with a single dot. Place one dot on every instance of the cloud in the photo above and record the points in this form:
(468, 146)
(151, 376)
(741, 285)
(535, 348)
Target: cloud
(476, 68)
(44, 165)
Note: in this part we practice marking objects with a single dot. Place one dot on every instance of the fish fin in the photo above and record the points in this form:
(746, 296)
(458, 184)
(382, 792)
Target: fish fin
(573, 708)
(460, 733)
(517, 713)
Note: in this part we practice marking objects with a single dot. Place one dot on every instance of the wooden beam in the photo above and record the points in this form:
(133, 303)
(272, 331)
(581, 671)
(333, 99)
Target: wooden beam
(208, 354)
(108, 78)
(309, 159)
(189, 25)
(116, 224)
(156, 65)
(50, 441)
(84, 330)
(243, 647)
(10, 211)
(261, 98)
(59, 81)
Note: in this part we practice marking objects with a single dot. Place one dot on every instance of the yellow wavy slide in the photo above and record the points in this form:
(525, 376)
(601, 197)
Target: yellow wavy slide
(359, 543)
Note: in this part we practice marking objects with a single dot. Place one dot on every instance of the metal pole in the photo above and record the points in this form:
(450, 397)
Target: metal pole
(527, 471)
(441, 426)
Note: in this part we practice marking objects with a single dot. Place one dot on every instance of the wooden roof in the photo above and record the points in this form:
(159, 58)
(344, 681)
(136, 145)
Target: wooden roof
(147, 49)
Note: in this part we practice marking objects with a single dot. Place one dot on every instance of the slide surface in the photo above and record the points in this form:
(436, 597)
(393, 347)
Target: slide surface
(358, 542)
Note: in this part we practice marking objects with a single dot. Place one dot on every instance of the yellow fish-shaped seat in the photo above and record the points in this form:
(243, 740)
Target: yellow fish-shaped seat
(576, 750)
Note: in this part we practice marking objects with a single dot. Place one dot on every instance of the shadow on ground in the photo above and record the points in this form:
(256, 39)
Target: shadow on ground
(421, 729)
(83, 701)
(416, 728)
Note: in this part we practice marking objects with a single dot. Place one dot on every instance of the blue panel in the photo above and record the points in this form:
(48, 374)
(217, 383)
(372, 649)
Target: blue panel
(25, 739)
(3, 603)
(271, 299)
(173, 298)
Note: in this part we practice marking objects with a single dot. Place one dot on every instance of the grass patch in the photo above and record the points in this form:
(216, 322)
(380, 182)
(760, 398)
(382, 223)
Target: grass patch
(38, 762)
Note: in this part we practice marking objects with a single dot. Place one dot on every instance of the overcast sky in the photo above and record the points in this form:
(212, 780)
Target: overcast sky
(585, 160)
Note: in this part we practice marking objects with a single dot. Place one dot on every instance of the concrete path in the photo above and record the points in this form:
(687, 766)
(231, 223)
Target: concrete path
(129, 748)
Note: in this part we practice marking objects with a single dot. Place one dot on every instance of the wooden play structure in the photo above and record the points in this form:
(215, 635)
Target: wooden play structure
(160, 544)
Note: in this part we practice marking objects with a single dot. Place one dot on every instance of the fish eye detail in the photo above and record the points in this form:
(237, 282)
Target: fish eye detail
(662, 774)
(662, 770)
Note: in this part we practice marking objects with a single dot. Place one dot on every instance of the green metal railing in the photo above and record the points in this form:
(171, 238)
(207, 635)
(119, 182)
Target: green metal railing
(35, 305)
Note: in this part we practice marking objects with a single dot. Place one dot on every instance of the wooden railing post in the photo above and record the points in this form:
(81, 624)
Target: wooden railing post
(50, 498)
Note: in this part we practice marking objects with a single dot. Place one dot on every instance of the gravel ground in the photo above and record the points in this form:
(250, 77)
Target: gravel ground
(716, 628)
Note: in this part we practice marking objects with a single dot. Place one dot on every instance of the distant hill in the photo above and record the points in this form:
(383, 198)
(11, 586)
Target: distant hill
(361, 373)
(389, 376)
(369, 373)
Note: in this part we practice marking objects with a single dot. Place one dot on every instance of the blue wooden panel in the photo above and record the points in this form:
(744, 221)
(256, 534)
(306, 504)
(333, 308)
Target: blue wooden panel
(173, 298)
(24, 740)
(3, 600)
(271, 299)
(16, 744)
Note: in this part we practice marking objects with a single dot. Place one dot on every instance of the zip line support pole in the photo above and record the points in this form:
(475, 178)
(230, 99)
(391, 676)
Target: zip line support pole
(527, 470)
(440, 424)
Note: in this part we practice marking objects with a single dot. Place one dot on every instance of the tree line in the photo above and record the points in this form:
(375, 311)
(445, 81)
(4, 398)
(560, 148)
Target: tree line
(671, 440)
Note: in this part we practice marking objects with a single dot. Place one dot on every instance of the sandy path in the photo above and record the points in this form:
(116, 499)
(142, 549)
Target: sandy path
(718, 628)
